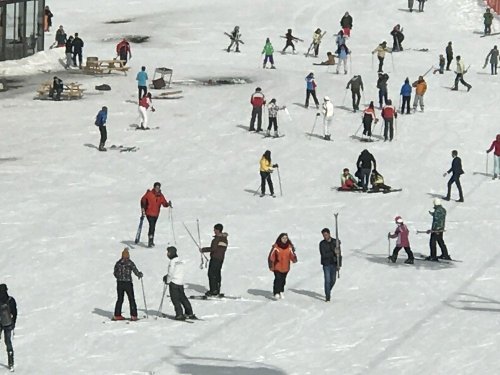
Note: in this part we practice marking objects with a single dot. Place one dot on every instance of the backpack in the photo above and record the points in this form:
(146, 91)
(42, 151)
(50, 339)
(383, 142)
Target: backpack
(5, 314)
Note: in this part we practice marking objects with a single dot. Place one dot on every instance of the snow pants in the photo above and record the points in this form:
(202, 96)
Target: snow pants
(382, 97)
(327, 121)
(143, 117)
(410, 5)
(329, 273)
(438, 238)
(388, 129)
(104, 135)
(266, 177)
(406, 103)
(455, 179)
(289, 44)
(268, 58)
(214, 275)
(496, 165)
(380, 64)
(256, 113)
(123, 287)
(152, 226)
(273, 122)
(395, 252)
(7, 337)
(460, 78)
(342, 61)
(421, 4)
(356, 98)
(367, 128)
(418, 99)
(179, 300)
(279, 282)
(493, 68)
(313, 94)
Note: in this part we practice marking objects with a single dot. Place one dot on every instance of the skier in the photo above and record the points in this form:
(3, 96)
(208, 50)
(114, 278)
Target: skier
(368, 117)
(123, 274)
(330, 59)
(273, 109)
(317, 36)
(77, 50)
(356, 85)
(410, 5)
(142, 82)
(364, 164)
(327, 109)
(402, 234)
(327, 250)
(61, 37)
(217, 250)
(382, 88)
(311, 90)
(381, 51)
(235, 39)
(347, 181)
(493, 57)
(442, 63)
(377, 182)
(268, 52)
(495, 145)
(406, 95)
(144, 104)
(151, 202)
(460, 75)
(488, 20)
(266, 168)
(123, 51)
(398, 37)
(346, 24)
(343, 52)
(69, 51)
(100, 121)
(175, 280)
(420, 89)
(436, 232)
(257, 100)
(56, 89)
(421, 4)
(280, 256)
(389, 113)
(340, 40)
(8, 318)
(456, 171)
(47, 19)
(449, 55)
(289, 41)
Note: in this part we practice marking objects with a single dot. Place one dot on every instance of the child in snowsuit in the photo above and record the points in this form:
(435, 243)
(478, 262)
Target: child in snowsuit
(347, 181)
(235, 39)
(402, 234)
(268, 54)
(273, 109)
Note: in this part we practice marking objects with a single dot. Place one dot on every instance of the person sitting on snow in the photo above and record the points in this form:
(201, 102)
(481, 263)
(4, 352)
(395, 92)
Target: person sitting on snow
(347, 181)
(377, 181)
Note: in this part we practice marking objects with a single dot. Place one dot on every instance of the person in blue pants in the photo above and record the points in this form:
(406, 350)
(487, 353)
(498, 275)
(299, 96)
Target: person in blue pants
(328, 261)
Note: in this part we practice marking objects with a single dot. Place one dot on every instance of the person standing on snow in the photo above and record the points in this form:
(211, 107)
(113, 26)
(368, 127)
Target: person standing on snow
(495, 145)
(343, 52)
(456, 171)
(368, 117)
(266, 168)
(142, 82)
(8, 318)
(77, 50)
(340, 40)
(406, 95)
(420, 89)
(100, 121)
(144, 104)
(123, 51)
(410, 5)
(217, 250)
(280, 256)
(327, 250)
(151, 202)
(273, 109)
(311, 90)
(398, 37)
(442, 63)
(460, 75)
(61, 37)
(402, 234)
(356, 85)
(381, 51)
(289, 41)
(235, 39)
(449, 55)
(389, 113)
(317, 36)
(488, 20)
(437, 231)
(421, 4)
(327, 109)
(382, 88)
(346, 24)
(493, 57)
(123, 274)
(257, 100)
(364, 165)
(268, 51)
(175, 280)
(69, 52)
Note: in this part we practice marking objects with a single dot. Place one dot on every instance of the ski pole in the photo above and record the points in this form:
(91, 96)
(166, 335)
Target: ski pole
(199, 242)
(395, 128)
(192, 237)
(144, 297)
(161, 302)
(256, 191)
(399, 104)
(357, 131)
(487, 163)
(314, 125)
(279, 180)
(345, 95)
(372, 61)
(171, 215)
(388, 250)
(350, 62)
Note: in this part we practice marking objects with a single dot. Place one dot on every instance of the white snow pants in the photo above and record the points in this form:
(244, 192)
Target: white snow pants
(327, 122)
(144, 116)
(344, 61)
(496, 165)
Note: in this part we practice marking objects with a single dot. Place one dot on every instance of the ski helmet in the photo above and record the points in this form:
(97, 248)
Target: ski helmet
(326, 99)
(437, 202)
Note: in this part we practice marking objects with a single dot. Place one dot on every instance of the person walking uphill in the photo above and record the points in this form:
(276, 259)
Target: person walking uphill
(280, 256)
(100, 121)
(381, 51)
(123, 274)
(495, 145)
(175, 280)
(151, 202)
(437, 231)
(217, 250)
(144, 104)
(420, 89)
(346, 24)
(368, 117)
(382, 88)
(142, 82)
(389, 113)
(402, 234)
(8, 318)
(456, 171)
(493, 57)
(406, 96)
(488, 20)
(311, 90)
(364, 164)
(460, 75)
(356, 85)
(268, 51)
(257, 100)
(327, 249)
(266, 168)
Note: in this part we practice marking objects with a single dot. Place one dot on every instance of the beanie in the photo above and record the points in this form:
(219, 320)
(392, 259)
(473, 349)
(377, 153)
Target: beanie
(172, 250)
(3, 288)
(125, 253)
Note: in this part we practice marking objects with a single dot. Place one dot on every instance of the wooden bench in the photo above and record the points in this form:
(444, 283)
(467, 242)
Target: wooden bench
(96, 66)
(70, 91)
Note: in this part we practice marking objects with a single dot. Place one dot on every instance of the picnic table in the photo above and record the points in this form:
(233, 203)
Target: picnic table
(96, 66)
(70, 91)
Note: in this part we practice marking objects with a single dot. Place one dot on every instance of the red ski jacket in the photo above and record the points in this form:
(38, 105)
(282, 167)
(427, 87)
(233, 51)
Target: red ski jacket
(258, 99)
(151, 202)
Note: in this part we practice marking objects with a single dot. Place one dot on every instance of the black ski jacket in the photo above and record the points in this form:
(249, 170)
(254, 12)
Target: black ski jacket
(365, 160)
(5, 298)
(327, 251)
(456, 167)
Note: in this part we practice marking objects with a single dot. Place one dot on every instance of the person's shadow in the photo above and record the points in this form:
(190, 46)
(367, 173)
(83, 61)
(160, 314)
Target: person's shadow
(261, 293)
(308, 293)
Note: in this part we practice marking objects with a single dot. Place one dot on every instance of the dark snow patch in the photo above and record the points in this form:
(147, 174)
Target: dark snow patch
(118, 21)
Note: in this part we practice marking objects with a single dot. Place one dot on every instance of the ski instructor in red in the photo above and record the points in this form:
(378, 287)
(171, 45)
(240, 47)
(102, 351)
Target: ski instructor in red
(150, 205)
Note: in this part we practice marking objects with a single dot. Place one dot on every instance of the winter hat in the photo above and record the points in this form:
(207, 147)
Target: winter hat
(273, 100)
(326, 98)
(125, 253)
(398, 219)
(3, 288)
(258, 89)
(156, 184)
(172, 250)
(437, 202)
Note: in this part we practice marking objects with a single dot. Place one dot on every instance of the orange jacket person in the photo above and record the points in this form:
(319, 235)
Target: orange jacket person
(279, 260)
(150, 205)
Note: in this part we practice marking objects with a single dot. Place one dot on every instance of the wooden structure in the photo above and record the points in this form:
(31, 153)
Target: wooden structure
(71, 91)
(164, 78)
(96, 66)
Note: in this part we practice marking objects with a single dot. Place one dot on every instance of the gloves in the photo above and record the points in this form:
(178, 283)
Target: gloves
(318, 114)
(389, 235)
(275, 166)
(153, 109)
(444, 174)
(428, 231)
(143, 212)
(170, 204)
(140, 275)
(165, 279)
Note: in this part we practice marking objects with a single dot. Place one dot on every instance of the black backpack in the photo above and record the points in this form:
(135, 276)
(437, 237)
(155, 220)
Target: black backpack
(5, 314)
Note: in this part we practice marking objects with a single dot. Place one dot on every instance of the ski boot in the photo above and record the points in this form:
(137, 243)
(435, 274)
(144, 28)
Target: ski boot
(409, 261)
(494, 176)
(180, 317)
(392, 258)
(118, 317)
(191, 317)
(268, 133)
(432, 259)
(101, 147)
(273, 67)
(263, 66)
(11, 361)
(276, 134)
(134, 318)
(150, 242)
(444, 257)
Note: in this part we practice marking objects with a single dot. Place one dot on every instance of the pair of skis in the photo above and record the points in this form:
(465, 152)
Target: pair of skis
(312, 43)
(203, 257)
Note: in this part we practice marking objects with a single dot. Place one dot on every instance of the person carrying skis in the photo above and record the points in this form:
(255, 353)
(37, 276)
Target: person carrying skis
(347, 181)
(346, 24)
(460, 75)
(402, 234)
(289, 41)
(327, 109)
(420, 89)
(257, 100)
(495, 145)
(8, 318)
(406, 95)
(217, 250)
(368, 117)
(69, 52)
(100, 121)
(398, 37)
(123, 274)
(280, 256)
(317, 36)
(327, 251)
(273, 109)
(144, 104)
(442, 63)
(456, 171)
(123, 51)
(364, 165)
(61, 37)
(151, 202)
(382, 88)
(356, 85)
(449, 55)
(175, 280)
(343, 52)
(142, 82)
(421, 4)
(377, 182)
(488, 20)
(311, 90)
(268, 51)
(389, 113)
(493, 57)
(437, 231)
(77, 50)
(381, 51)
(266, 168)
(235, 39)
